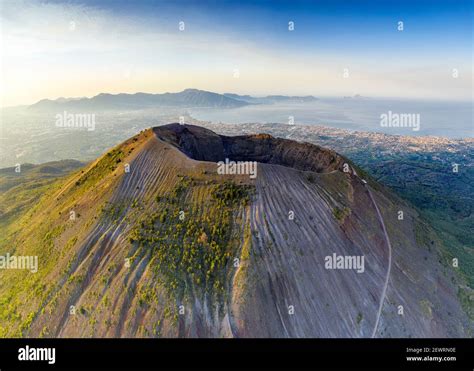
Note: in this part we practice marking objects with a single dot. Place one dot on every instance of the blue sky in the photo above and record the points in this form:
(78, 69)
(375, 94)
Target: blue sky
(367, 23)
(115, 46)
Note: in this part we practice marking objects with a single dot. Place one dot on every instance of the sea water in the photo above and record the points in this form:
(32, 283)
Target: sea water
(437, 118)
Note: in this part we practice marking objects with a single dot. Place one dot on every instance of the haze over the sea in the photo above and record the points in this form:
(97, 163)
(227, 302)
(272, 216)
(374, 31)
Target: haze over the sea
(437, 118)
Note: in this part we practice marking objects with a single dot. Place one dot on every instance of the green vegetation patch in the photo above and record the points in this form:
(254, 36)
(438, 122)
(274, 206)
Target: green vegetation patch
(103, 167)
(231, 194)
(192, 243)
(341, 214)
(466, 296)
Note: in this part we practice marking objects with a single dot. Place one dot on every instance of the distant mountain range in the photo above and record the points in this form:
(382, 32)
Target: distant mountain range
(186, 98)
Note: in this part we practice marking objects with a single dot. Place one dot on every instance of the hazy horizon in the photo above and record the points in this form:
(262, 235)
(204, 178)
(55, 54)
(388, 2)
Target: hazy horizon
(319, 96)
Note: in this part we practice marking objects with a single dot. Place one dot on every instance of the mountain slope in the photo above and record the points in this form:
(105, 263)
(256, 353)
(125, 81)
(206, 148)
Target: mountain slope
(172, 248)
(188, 98)
(19, 190)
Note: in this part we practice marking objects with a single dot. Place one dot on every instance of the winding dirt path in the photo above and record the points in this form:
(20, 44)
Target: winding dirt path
(387, 239)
